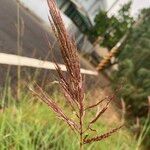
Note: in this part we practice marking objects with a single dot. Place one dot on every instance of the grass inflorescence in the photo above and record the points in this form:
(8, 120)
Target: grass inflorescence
(72, 86)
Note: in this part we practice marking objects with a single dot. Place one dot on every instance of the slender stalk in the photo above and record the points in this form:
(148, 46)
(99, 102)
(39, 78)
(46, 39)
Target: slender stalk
(81, 131)
(18, 50)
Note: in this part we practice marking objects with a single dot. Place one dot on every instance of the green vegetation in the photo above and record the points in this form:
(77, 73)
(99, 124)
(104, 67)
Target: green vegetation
(111, 29)
(28, 124)
(134, 68)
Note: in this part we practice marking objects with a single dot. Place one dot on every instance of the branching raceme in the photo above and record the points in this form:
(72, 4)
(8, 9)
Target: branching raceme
(71, 84)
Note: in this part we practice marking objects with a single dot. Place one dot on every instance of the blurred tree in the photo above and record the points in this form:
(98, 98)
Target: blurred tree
(111, 28)
(134, 67)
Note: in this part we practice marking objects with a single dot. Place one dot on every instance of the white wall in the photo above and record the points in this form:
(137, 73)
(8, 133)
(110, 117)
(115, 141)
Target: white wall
(92, 7)
(137, 5)
(40, 8)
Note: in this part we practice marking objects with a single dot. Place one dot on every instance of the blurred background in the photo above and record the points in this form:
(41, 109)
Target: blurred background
(113, 40)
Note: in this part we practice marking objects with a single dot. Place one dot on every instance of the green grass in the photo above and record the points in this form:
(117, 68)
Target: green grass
(28, 124)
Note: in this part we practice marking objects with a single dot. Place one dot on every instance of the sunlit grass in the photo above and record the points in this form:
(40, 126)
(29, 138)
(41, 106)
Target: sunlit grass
(30, 125)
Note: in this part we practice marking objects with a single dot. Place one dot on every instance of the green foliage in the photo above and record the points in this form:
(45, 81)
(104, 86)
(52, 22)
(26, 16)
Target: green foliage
(134, 68)
(30, 125)
(112, 28)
